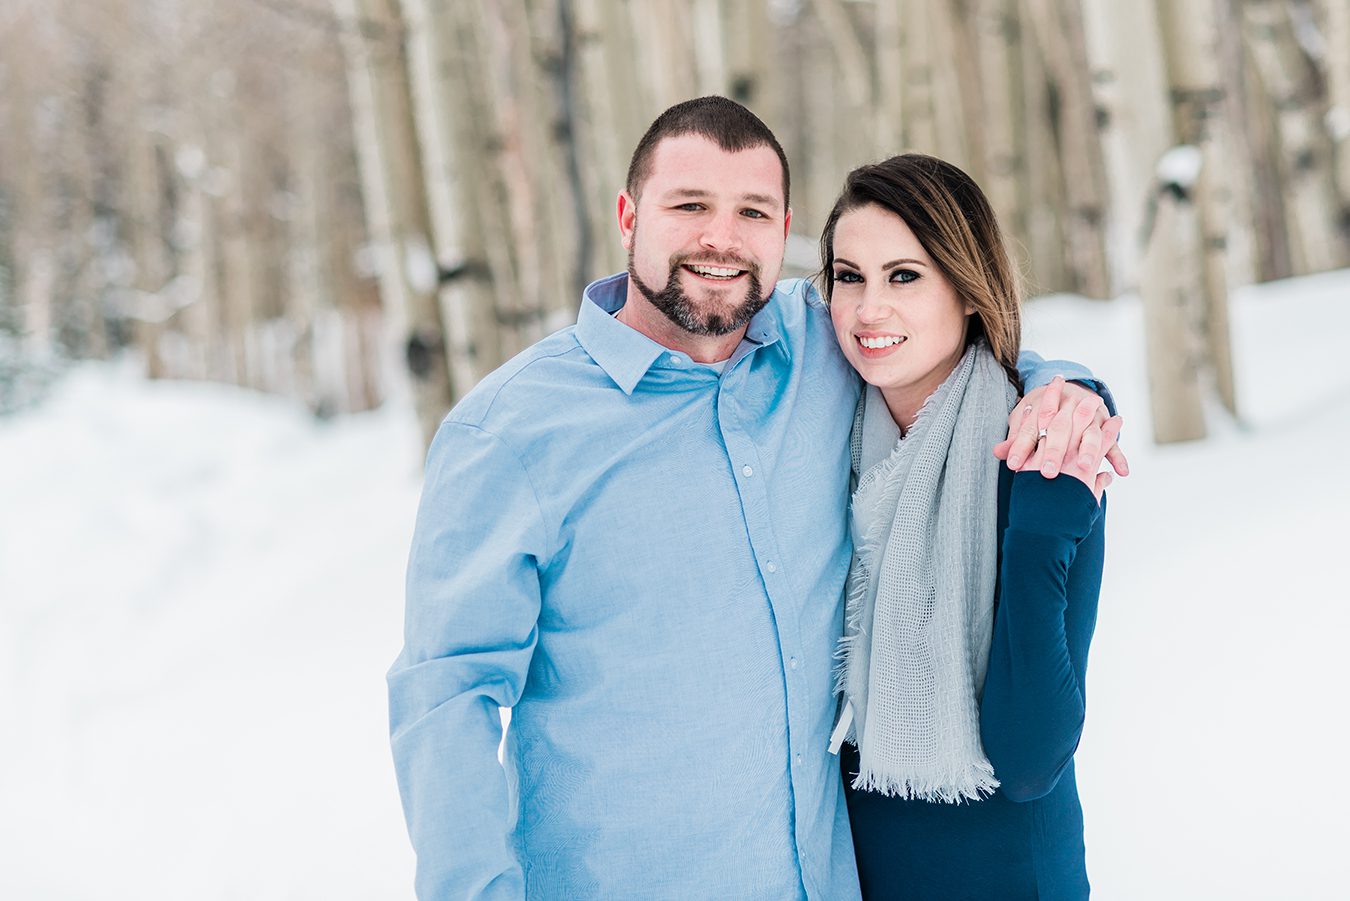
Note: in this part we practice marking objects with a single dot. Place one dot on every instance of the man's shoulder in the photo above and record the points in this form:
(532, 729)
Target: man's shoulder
(527, 384)
(799, 302)
(800, 291)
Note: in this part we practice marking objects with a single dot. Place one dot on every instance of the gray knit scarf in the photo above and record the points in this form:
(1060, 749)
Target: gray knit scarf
(921, 588)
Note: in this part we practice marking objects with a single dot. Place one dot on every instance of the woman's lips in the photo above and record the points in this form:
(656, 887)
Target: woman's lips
(889, 344)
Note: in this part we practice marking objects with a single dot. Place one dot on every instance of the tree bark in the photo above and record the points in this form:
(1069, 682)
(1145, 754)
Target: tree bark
(399, 221)
(1312, 204)
(1191, 37)
(1168, 287)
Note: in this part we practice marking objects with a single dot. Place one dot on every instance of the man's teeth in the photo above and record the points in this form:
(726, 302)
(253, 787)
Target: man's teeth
(715, 272)
(878, 343)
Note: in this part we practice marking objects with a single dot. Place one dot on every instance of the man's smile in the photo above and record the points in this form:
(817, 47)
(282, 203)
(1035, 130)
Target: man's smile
(714, 273)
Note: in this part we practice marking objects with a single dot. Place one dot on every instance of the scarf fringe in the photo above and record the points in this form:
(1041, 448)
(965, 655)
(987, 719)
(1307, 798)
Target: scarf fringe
(974, 784)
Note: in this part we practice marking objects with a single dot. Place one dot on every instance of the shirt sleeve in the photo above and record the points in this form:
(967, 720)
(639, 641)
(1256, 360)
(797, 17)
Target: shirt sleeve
(473, 603)
(1036, 372)
(1031, 713)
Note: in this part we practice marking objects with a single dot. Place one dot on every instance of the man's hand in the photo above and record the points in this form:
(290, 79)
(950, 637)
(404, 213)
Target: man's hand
(1078, 433)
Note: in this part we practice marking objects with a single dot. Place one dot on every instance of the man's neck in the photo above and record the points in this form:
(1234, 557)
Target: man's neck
(638, 314)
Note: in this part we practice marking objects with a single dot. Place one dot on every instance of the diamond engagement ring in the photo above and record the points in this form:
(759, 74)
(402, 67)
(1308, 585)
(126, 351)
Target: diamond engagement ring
(1042, 433)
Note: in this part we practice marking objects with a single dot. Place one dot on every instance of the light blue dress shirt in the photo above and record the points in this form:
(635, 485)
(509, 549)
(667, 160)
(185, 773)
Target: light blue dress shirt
(645, 560)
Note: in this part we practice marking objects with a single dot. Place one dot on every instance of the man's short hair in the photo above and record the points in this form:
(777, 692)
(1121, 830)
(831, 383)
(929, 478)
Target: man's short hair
(724, 122)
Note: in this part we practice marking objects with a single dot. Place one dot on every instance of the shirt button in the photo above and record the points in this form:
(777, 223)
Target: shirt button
(677, 359)
(747, 471)
(771, 567)
(799, 760)
(793, 663)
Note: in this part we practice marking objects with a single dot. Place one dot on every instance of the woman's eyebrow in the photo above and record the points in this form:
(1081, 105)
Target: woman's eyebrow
(890, 265)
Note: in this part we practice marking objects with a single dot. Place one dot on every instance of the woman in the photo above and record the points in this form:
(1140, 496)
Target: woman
(973, 591)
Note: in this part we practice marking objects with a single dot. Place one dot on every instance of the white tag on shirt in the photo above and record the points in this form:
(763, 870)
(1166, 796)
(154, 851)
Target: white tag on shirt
(841, 728)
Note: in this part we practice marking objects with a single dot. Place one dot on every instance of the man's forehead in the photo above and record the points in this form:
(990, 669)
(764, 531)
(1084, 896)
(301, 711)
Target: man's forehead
(678, 192)
(692, 164)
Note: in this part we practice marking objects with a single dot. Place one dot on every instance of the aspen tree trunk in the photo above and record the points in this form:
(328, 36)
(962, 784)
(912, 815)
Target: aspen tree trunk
(240, 264)
(663, 33)
(1130, 89)
(1313, 212)
(519, 304)
(1058, 26)
(396, 203)
(502, 200)
(998, 48)
(890, 93)
(1254, 116)
(536, 79)
(147, 246)
(849, 54)
(607, 122)
(749, 50)
(955, 93)
(1336, 18)
(821, 86)
(1169, 285)
(850, 110)
(199, 321)
(310, 289)
(450, 145)
(33, 264)
(921, 129)
(1044, 185)
(968, 110)
(710, 52)
(1191, 37)
(77, 304)
(1242, 239)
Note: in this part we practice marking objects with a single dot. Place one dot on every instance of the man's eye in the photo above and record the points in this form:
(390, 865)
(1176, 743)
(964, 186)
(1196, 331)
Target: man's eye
(904, 276)
(753, 214)
(848, 278)
(690, 207)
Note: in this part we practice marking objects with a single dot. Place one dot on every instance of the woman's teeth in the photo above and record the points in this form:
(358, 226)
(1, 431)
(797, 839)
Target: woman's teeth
(878, 343)
(715, 271)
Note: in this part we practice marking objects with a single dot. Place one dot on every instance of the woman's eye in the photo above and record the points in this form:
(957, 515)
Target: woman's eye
(848, 278)
(904, 276)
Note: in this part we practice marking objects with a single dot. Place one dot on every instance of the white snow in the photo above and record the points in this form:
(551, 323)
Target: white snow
(1180, 166)
(201, 589)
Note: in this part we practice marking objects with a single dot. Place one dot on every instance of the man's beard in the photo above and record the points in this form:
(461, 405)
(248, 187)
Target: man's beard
(679, 309)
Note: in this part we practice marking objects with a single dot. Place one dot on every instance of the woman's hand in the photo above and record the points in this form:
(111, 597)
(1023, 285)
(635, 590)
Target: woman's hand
(1077, 438)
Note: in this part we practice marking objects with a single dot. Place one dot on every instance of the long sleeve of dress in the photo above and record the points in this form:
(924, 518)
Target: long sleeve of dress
(1031, 713)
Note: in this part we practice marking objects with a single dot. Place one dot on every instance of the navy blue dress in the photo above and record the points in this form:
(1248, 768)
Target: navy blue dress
(1026, 840)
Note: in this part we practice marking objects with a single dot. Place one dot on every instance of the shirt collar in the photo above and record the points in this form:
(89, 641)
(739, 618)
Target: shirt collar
(626, 354)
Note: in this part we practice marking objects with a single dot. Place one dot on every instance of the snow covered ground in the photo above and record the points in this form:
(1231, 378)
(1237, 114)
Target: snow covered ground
(200, 590)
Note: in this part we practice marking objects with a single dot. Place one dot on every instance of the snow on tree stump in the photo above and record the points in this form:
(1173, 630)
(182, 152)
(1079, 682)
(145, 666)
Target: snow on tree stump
(1171, 287)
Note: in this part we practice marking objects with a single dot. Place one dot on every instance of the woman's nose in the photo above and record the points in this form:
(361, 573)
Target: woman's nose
(873, 308)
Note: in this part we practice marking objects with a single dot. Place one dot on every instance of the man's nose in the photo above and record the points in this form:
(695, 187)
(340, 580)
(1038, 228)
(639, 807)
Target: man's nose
(722, 231)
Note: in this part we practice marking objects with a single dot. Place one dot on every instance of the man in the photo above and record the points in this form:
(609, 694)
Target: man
(634, 536)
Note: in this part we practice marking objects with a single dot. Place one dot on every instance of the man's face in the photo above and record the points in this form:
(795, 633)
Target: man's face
(713, 229)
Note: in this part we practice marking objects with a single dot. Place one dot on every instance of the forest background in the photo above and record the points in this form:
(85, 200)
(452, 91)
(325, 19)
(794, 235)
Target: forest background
(344, 201)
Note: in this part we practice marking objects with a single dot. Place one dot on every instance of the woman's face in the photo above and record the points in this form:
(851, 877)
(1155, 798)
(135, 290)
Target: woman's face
(897, 317)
